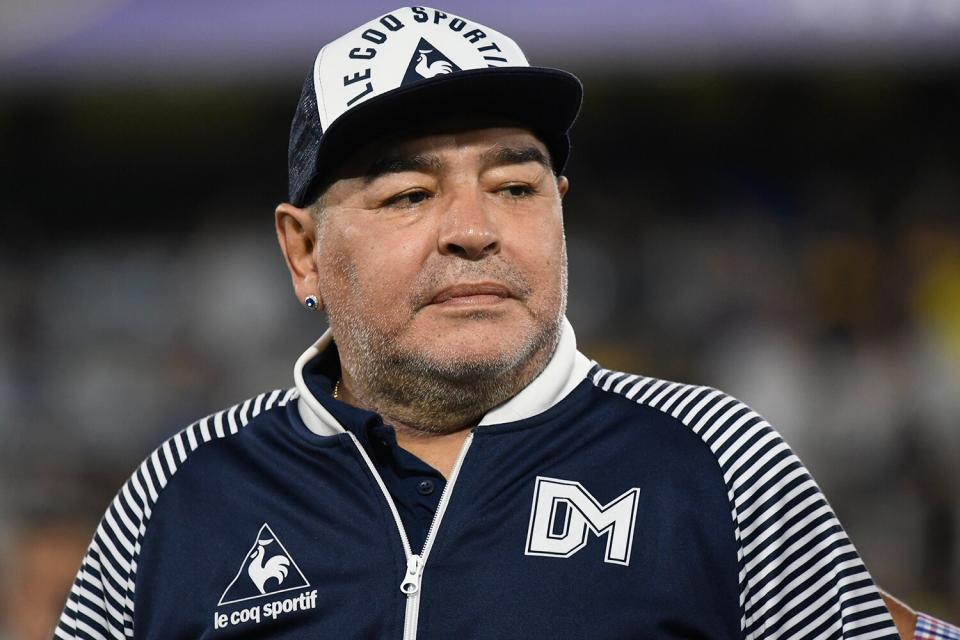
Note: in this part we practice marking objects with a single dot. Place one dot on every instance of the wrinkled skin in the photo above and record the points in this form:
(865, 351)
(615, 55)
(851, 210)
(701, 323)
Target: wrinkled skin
(444, 277)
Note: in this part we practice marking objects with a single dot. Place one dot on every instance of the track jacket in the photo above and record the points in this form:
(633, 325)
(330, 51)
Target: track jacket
(593, 505)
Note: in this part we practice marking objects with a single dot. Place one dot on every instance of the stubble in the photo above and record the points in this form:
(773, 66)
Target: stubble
(439, 391)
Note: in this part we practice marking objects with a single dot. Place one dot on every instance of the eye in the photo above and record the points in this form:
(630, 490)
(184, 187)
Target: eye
(517, 190)
(407, 198)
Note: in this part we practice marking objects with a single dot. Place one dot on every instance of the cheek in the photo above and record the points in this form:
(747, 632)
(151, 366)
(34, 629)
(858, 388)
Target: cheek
(368, 269)
(542, 248)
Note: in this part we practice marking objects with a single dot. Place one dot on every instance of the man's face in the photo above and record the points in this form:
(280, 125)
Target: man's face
(447, 251)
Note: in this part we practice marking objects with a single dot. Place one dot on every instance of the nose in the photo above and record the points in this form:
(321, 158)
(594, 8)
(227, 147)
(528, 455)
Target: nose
(468, 229)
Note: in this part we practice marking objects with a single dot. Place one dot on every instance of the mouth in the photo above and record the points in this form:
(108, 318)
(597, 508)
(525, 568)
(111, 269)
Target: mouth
(471, 294)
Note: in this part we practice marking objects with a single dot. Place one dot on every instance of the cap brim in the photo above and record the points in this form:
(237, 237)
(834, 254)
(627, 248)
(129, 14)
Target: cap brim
(544, 100)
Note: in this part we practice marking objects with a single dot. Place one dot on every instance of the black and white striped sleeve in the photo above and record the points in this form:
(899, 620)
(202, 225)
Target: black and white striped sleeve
(800, 576)
(100, 605)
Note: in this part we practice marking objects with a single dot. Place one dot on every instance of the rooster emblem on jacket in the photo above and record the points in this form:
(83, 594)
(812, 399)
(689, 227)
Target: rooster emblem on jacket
(430, 69)
(260, 571)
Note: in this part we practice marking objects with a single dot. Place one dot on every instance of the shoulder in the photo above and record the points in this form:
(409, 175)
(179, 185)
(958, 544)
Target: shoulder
(800, 575)
(156, 471)
(102, 598)
(730, 428)
(218, 426)
(755, 462)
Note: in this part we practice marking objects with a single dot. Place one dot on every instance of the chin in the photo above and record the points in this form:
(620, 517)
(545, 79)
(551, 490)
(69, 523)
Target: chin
(478, 348)
(477, 332)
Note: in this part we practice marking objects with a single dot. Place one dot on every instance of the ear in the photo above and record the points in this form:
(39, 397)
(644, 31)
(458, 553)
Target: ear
(297, 234)
(563, 184)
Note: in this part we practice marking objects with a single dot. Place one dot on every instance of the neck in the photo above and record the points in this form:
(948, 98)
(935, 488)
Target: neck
(563, 370)
(438, 449)
(422, 407)
(437, 395)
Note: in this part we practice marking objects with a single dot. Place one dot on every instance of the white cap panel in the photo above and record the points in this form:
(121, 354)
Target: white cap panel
(400, 47)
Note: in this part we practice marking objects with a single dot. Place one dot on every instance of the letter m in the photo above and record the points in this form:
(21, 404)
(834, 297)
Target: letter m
(564, 512)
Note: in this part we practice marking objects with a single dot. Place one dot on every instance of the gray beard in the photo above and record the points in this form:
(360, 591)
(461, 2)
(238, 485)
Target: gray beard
(442, 394)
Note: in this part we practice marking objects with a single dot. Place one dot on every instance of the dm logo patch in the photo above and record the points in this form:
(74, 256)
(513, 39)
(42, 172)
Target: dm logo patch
(427, 61)
(268, 568)
(564, 515)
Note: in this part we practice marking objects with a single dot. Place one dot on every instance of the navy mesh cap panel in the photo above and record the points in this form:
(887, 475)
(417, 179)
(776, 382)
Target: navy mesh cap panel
(304, 146)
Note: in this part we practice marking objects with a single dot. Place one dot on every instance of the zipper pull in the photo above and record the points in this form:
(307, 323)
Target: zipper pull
(411, 582)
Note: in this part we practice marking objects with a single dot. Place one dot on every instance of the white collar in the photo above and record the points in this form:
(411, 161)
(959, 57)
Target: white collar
(565, 370)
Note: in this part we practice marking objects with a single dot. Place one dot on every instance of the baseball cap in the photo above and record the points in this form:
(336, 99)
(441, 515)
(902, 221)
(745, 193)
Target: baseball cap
(409, 68)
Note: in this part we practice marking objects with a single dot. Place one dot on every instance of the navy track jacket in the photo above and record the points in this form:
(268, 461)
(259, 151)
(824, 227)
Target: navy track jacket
(593, 504)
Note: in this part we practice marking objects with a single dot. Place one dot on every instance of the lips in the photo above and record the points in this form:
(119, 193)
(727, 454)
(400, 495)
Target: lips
(478, 291)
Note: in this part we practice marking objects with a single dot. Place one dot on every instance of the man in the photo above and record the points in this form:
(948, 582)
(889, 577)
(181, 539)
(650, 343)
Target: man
(448, 464)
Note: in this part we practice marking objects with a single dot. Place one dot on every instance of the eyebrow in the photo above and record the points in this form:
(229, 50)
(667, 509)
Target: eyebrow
(499, 155)
(399, 164)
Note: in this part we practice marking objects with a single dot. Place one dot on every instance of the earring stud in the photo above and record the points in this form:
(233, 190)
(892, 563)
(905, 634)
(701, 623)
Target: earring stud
(312, 302)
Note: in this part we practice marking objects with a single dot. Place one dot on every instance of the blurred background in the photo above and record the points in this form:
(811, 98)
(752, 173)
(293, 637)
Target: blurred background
(765, 198)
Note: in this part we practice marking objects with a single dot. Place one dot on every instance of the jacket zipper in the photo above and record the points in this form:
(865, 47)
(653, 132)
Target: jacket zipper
(410, 586)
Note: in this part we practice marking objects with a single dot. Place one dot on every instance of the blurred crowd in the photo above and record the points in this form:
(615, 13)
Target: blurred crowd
(835, 315)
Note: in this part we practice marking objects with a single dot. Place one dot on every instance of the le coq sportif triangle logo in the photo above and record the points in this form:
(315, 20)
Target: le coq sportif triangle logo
(427, 61)
(267, 568)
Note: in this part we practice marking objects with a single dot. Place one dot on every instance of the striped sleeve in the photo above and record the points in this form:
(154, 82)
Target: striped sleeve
(100, 605)
(799, 574)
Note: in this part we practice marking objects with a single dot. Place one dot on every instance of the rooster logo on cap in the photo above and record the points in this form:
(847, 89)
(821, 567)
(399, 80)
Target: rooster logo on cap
(428, 70)
(427, 61)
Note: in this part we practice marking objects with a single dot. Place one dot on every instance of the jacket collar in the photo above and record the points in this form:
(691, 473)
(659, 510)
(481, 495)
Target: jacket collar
(565, 370)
